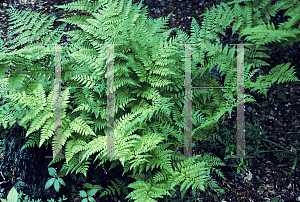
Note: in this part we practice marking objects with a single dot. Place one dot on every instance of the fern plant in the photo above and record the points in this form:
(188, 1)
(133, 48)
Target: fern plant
(149, 87)
(117, 188)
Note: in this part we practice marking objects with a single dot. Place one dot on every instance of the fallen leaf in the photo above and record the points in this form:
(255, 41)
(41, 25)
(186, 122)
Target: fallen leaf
(248, 176)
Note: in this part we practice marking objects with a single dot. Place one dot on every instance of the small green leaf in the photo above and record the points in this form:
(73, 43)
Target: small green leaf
(293, 168)
(242, 162)
(281, 96)
(279, 87)
(276, 145)
(238, 170)
(56, 185)
(92, 192)
(88, 185)
(91, 199)
(61, 181)
(98, 187)
(271, 151)
(49, 183)
(82, 193)
(51, 171)
(12, 195)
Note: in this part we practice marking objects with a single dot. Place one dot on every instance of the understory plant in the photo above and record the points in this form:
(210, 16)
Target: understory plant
(55, 180)
(253, 137)
(88, 196)
(223, 145)
(14, 196)
(293, 153)
(149, 78)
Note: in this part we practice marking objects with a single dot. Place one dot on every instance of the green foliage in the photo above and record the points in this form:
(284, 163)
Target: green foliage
(117, 188)
(253, 138)
(225, 145)
(56, 181)
(88, 196)
(14, 196)
(293, 152)
(149, 88)
(257, 25)
(59, 200)
(280, 94)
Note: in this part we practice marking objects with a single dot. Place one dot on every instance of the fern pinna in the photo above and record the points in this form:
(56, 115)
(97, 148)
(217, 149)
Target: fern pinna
(149, 88)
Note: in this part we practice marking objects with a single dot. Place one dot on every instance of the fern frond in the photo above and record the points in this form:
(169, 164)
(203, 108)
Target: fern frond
(146, 189)
(78, 125)
(188, 173)
(32, 26)
(33, 140)
(117, 188)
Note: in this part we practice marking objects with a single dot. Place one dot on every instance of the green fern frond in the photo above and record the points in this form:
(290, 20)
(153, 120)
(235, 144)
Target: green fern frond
(189, 173)
(33, 26)
(119, 187)
(78, 125)
(33, 140)
(267, 33)
(73, 147)
(39, 121)
(280, 73)
(74, 165)
(161, 158)
(83, 5)
(47, 131)
(146, 189)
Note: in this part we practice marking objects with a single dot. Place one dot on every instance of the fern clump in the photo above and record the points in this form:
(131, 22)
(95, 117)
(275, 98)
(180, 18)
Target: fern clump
(149, 88)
